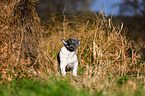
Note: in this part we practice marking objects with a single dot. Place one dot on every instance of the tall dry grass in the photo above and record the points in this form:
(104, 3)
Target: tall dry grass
(20, 33)
(103, 53)
(30, 50)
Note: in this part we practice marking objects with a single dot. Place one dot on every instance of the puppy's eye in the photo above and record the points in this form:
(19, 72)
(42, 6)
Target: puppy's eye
(68, 44)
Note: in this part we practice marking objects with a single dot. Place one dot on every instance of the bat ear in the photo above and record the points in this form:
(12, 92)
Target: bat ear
(64, 42)
(78, 41)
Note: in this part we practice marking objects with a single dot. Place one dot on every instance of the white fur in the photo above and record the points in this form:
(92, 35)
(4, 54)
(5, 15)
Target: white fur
(68, 58)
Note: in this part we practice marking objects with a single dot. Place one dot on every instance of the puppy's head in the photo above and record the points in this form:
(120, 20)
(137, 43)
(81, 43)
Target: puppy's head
(71, 44)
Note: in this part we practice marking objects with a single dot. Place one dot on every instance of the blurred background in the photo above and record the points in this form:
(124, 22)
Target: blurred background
(130, 12)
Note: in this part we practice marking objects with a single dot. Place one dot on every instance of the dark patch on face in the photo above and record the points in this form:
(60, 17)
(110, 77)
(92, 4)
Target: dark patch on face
(71, 44)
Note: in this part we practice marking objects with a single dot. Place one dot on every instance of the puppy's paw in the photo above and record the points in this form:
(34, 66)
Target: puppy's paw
(64, 74)
(75, 75)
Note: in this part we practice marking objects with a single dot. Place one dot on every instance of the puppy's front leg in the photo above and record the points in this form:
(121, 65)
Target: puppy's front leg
(75, 68)
(62, 67)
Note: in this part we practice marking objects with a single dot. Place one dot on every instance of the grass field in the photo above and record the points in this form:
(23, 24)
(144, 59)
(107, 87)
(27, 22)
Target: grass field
(110, 63)
(61, 86)
(50, 87)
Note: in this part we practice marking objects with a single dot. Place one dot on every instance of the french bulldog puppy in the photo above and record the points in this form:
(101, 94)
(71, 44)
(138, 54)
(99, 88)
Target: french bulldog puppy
(67, 56)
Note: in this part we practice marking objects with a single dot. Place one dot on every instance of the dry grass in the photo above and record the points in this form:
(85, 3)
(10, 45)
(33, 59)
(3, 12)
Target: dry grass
(102, 53)
(20, 32)
(29, 50)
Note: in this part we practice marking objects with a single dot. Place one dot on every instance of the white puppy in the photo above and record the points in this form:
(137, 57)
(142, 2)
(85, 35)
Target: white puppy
(67, 56)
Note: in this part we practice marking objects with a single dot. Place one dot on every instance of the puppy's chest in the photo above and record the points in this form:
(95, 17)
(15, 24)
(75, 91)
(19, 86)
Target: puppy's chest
(68, 58)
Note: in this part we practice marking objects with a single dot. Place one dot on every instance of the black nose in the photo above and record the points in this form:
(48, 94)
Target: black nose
(72, 47)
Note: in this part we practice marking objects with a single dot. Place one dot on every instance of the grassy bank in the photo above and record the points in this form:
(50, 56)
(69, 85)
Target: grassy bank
(61, 86)
(30, 87)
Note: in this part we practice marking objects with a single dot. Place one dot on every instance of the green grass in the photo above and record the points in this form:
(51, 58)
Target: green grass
(61, 86)
(30, 87)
